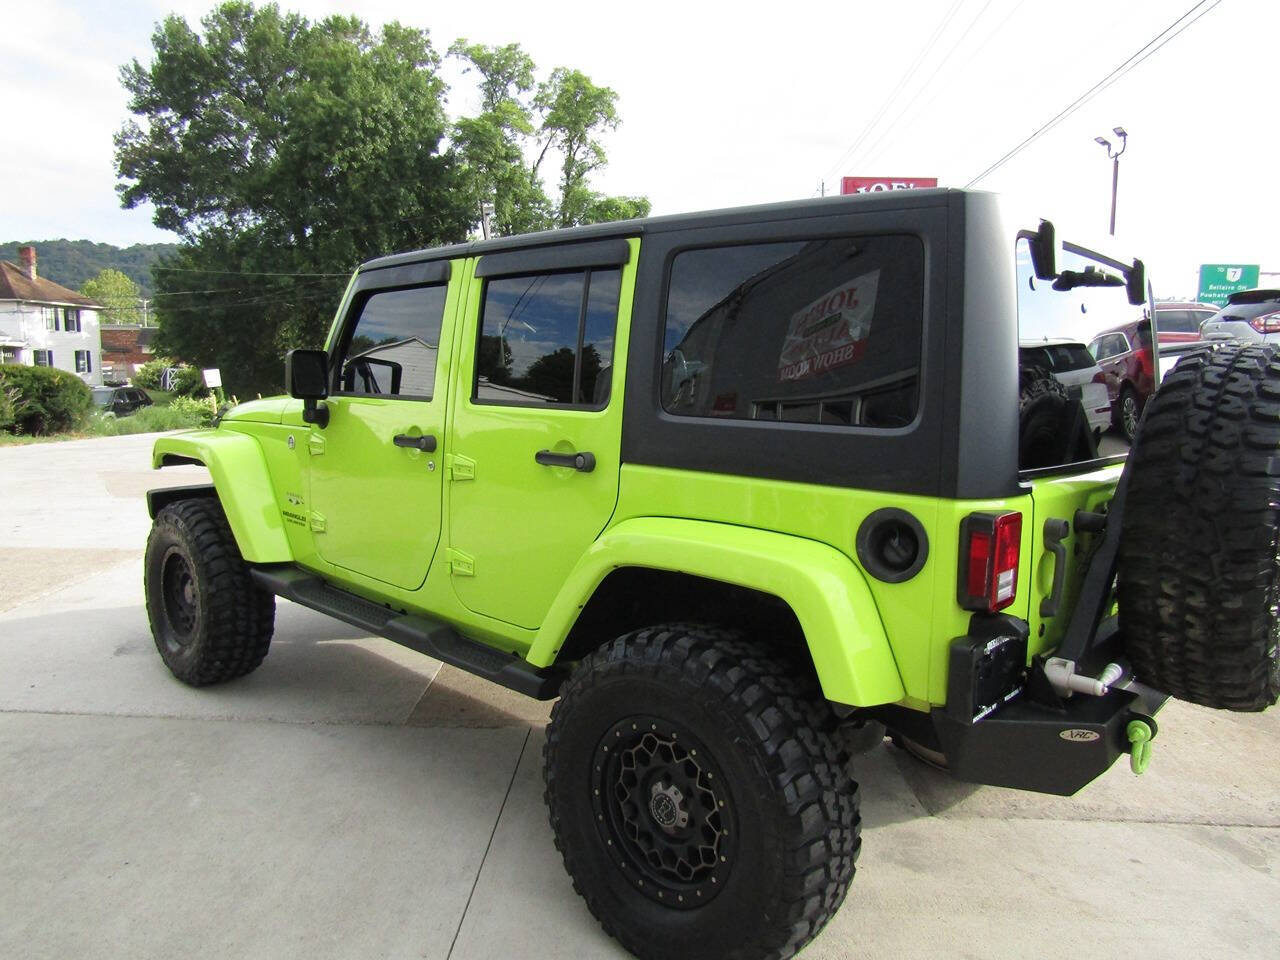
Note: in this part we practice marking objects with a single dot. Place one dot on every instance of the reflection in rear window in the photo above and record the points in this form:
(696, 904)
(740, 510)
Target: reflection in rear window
(822, 331)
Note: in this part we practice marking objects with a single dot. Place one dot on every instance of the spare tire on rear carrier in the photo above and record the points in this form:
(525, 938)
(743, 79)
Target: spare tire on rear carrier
(1199, 561)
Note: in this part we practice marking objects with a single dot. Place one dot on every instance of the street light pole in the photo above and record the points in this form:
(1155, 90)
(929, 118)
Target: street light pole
(1115, 167)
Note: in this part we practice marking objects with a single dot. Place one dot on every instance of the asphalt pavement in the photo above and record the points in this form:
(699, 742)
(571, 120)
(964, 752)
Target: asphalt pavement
(353, 799)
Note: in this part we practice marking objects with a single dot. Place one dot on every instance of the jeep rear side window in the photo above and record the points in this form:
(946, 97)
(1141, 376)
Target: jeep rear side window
(823, 331)
(392, 350)
(548, 338)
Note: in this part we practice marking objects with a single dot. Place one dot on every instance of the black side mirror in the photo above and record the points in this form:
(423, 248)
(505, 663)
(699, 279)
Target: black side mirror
(306, 377)
(1044, 251)
(1135, 283)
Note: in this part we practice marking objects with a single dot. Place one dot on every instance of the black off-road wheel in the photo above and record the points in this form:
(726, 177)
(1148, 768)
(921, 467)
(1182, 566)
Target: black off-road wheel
(698, 796)
(1052, 428)
(1199, 564)
(210, 622)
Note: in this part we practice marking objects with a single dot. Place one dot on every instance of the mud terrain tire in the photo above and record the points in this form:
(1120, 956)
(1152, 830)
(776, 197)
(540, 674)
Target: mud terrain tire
(1199, 565)
(210, 622)
(719, 740)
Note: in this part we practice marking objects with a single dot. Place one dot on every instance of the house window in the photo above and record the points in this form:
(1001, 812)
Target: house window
(50, 315)
(84, 361)
(8, 354)
(44, 358)
(71, 320)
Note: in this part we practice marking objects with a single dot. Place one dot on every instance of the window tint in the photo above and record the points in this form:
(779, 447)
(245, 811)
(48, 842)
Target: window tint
(392, 350)
(1058, 357)
(548, 338)
(822, 331)
(1177, 321)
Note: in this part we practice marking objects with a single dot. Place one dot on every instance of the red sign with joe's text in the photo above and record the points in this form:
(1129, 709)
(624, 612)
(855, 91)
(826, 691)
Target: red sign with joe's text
(880, 184)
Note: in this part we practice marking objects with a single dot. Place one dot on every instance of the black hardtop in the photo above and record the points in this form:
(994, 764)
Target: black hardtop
(759, 213)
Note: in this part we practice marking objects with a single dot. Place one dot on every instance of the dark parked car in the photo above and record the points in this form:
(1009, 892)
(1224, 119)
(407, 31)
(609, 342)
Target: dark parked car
(120, 401)
(1250, 315)
(1128, 365)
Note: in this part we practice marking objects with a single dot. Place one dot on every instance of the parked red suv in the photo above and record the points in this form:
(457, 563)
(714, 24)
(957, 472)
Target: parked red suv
(1128, 366)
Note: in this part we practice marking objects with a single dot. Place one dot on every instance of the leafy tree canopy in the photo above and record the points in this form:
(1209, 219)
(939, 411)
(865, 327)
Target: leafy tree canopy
(117, 294)
(285, 151)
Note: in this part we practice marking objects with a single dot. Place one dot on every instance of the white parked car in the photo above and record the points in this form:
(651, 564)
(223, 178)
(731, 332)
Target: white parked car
(1072, 365)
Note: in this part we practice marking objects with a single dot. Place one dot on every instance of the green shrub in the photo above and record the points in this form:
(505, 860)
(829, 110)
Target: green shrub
(148, 375)
(199, 412)
(9, 400)
(146, 420)
(46, 400)
(189, 382)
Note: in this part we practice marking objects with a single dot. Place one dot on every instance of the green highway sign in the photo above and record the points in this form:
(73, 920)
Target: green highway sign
(1220, 280)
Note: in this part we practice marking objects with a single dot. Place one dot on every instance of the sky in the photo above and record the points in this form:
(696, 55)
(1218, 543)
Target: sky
(724, 104)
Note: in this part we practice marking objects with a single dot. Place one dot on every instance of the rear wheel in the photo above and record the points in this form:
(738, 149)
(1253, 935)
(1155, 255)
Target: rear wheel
(210, 621)
(1199, 565)
(698, 796)
(1128, 412)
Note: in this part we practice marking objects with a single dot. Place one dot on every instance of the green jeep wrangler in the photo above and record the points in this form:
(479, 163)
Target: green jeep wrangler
(747, 491)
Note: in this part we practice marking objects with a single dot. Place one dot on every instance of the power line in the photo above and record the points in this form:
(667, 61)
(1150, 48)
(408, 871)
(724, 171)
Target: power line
(871, 148)
(893, 95)
(1152, 45)
(246, 273)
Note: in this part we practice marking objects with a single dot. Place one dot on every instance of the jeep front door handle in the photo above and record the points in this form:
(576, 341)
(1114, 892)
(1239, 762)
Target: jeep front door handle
(582, 462)
(426, 443)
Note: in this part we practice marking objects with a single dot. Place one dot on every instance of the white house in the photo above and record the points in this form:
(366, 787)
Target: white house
(44, 324)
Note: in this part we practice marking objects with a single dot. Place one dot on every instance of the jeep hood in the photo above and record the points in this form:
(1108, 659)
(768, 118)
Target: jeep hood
(268, 410)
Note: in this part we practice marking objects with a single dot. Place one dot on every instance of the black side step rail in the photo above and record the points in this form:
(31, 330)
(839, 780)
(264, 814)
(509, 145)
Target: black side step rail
(417, 633)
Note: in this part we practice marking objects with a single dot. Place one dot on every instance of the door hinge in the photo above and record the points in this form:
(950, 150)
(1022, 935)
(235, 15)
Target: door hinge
(317, 522)
(461, 468)
(315, 443)
(461, 564)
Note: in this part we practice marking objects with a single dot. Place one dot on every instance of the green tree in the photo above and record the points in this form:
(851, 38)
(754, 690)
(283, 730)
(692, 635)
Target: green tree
(492, 144)
(571, 114)
(283, 152)
(117, 294)
(575, 112)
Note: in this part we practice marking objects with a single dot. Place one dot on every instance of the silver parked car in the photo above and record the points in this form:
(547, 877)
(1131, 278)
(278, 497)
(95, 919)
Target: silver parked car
(1250, 315)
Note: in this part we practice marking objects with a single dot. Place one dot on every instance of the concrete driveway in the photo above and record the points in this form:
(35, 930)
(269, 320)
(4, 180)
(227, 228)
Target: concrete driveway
(354, 799)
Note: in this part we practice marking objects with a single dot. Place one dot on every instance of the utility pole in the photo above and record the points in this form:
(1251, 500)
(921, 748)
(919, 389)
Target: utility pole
(144, 302)
(1114, 156)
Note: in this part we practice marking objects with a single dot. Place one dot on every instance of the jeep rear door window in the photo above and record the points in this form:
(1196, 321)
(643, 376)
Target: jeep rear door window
(1085, 360)
(548, 339)
(821, 331)
(392, 349)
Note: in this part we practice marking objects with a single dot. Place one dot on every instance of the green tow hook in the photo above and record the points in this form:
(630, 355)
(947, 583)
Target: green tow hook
(1140, 734)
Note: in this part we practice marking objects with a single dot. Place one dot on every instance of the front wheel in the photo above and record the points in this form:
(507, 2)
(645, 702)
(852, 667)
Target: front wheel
(699, 797)
(210, 621)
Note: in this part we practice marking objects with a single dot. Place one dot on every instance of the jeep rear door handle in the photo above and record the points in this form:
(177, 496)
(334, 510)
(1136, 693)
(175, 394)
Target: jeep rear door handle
(582, 462)
(426, 443)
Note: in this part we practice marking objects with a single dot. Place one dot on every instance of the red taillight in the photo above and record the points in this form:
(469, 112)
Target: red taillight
(1267, 323)
(1099, 377)
(1144, 359)
(989, 548)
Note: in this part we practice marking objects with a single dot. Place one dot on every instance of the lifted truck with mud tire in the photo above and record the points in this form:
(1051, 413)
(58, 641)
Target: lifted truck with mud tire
(746, 491)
